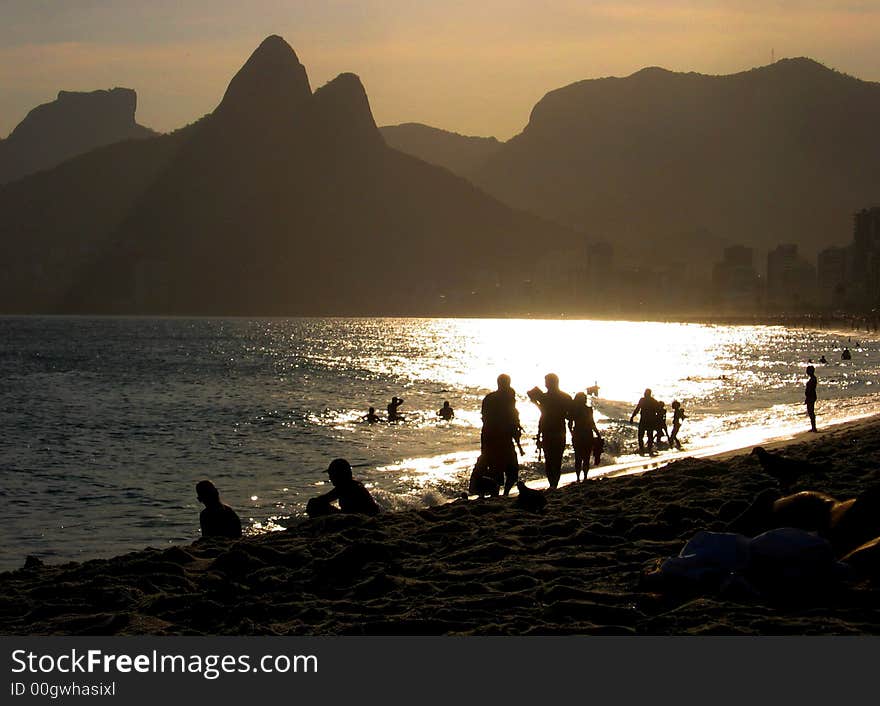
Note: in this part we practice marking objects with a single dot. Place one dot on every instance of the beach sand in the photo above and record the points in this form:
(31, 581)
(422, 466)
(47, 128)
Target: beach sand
(468, 567)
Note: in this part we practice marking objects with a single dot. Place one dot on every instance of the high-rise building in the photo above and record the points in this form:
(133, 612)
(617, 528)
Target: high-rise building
(791, 280)
(735, 281)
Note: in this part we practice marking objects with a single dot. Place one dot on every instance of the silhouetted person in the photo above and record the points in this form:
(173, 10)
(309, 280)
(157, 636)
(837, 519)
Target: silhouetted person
(660, 427)
(647, 411)
(677, 419)
(582, 426)
(371, 416)
(823, 360)
(446, 412)
(501, 431)
(393, 406)
(217, 519)
(555, 406)
(810, 396)
(846, 355)
(351, 495)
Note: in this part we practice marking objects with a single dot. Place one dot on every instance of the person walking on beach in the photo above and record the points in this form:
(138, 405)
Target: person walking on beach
(810, 396)
(647, 411)
(393, 406)
(555, 406)
(501, 431)
(217, 519)
(660, 427)
(446, 412)
(677, 419)
(582, 425)
(351, 494)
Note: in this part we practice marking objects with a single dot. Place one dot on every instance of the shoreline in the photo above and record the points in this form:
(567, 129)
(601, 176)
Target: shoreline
(475, 567)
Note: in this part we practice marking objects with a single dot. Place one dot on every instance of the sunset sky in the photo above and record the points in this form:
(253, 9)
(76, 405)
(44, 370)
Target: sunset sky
(472, 67)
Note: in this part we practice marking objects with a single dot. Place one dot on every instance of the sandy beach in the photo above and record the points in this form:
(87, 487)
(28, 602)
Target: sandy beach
(473, 567)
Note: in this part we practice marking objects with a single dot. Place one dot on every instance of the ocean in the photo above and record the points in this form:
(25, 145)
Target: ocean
(106, 424)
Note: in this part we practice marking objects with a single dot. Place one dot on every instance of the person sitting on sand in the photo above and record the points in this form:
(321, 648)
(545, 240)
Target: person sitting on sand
(446, 412)
(810, 396)
(582, 425)
(647, 411)
(393, 406)
(351, 495)
(846, 355)
(677, 419)
(217, 519)
(371, 416)
(555, 406)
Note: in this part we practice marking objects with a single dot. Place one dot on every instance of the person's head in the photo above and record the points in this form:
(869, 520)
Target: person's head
(207, 493)
(504, 381)
(446, 403)
(580, 399)
(676, 404)
(372, 410)
(551, 380)
(647, 392)
(339, 471)
(811, 370)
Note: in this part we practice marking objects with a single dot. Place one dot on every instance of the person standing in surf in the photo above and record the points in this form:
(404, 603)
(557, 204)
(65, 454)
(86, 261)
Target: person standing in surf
(501, 430)
(582, 426)
(810, 396)
(555, 406)
(647, 411)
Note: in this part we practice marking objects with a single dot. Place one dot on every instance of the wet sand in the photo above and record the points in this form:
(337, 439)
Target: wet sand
(469, 567)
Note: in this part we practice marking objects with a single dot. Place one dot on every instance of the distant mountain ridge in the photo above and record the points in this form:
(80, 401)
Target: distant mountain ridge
(73, 124)
(460, 154)
(782, 153)
(282, 201)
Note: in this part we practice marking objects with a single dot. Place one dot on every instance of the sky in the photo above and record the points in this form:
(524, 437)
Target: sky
(474, 67)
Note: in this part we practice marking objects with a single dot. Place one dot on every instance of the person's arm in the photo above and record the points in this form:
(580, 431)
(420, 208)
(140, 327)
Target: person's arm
(330, 497)
(638, 408)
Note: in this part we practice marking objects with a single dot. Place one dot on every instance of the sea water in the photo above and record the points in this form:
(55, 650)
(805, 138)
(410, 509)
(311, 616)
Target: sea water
(106, 424)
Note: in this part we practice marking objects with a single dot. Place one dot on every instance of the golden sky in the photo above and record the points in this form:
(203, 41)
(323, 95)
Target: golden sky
(472, 67)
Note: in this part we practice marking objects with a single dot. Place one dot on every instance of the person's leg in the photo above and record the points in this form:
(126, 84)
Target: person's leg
(511, 471)
(642, 430)
(811, 413)
(553, 460)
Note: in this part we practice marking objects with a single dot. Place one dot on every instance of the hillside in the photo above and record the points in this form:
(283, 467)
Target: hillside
(460, 154)
(69, 126)
(281, 201)
(783, 153)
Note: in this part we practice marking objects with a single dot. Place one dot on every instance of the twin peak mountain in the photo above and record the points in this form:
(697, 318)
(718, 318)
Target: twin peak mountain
(282, 201)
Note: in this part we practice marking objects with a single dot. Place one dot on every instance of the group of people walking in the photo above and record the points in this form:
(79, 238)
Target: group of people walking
(652, 422)
(497, 467)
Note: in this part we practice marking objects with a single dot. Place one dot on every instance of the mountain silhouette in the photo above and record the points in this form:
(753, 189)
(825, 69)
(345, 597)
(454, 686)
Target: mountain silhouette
(71, 125)
(460, 154)
(782, 153)
(281, 201)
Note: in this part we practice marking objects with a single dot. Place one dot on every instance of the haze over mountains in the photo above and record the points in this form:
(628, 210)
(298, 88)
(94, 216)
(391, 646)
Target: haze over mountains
(460, 154)
(281, 201)
(783, 153)
(285, 200)
(72, 124)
